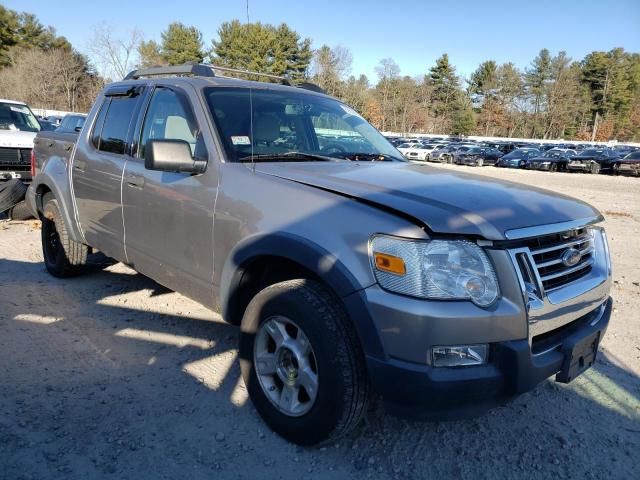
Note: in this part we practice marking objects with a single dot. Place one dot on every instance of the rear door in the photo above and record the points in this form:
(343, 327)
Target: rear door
(168, 216)
(98, 166)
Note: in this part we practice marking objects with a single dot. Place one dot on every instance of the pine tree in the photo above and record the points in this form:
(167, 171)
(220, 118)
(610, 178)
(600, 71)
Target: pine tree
(181, 44)
(150, 54)
(262, 48)
(446, 90)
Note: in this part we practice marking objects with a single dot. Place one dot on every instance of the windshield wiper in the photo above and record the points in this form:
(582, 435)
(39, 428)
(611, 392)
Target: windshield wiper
(369, 157)
(286, 156)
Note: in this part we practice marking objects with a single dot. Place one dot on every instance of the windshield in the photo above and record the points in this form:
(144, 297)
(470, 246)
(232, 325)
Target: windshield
(521, 153)
(592, 151)
(256, 123)
(70, 123)
(16, 117)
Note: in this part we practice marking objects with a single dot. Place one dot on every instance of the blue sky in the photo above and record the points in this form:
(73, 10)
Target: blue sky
(412, 32)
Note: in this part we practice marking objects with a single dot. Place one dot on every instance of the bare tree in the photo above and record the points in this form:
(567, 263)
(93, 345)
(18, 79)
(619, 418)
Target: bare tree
(115, 56)
(58, 79)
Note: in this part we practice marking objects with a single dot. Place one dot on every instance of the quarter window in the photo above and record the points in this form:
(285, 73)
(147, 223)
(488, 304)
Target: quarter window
(113, 138)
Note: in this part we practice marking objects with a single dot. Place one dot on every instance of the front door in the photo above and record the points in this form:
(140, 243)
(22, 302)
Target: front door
(168, 216)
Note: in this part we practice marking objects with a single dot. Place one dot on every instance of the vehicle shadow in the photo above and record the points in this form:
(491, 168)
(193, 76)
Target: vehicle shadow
(150, 390)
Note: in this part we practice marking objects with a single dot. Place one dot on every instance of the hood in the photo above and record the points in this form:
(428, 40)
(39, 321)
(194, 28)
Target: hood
(16, 139)
(630, 160)
(444, 201)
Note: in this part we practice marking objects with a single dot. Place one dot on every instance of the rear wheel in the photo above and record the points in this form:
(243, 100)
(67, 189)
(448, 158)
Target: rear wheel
(302, 363)
(63, 256)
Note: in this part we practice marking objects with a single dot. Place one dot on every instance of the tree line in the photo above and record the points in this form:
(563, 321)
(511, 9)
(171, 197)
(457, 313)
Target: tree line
(594, 98)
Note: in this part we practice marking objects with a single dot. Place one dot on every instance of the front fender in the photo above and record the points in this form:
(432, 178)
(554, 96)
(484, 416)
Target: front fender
(322, 263)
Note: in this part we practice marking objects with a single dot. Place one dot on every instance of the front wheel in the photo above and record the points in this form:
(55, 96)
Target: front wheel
(302, 363)
(479, 162)
(595, 168)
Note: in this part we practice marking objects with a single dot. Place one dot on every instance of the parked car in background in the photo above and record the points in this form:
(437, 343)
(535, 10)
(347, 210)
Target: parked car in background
(404, 148)
(478, 156)
(553, 160)
(518, 158)
(72, 122)
(18, 128)
(594, 160)
(46, 125)
(420, 151)
(458, 148)
(629, 165)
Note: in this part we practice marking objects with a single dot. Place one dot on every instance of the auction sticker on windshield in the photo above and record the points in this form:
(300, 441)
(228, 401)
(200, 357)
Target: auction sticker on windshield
(240, 140)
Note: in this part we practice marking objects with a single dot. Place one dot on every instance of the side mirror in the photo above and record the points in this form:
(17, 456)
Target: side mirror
(171, 156)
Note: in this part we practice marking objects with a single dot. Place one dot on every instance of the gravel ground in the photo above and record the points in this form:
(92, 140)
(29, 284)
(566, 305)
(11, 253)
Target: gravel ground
(112, 376)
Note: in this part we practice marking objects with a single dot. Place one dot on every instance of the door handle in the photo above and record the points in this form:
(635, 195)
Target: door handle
(79, 165)
(135, 180)
(68, 146)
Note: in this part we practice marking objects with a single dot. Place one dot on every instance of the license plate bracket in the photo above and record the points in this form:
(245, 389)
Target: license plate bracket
(578, 357)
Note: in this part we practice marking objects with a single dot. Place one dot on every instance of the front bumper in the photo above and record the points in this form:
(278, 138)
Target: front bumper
(629, 169)
(424, 392)
(582, 166)
(540, 166)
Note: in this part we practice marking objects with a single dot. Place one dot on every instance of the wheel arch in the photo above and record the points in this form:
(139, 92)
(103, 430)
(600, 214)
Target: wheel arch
(46, 184)
(264, 260)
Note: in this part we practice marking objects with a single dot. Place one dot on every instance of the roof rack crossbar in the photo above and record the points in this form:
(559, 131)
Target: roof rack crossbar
(187, 69)
(283, 79)
(209, 70)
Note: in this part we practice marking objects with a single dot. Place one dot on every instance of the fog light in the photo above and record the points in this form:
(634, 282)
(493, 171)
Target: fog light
(460, 355)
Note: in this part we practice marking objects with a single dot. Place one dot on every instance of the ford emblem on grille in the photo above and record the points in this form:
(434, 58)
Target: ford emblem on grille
(571, 257)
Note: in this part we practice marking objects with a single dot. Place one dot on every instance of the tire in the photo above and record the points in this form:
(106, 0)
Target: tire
(342, 389)
(63, 257)
(11, 192)
(615, 169)
(594, 169)
(553, 167)
(21, 211)
(479, 162)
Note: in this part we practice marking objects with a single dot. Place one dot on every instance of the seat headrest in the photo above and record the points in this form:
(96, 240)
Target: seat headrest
(266, 128)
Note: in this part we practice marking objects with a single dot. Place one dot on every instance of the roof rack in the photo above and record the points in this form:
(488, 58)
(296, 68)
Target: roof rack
(208, 70)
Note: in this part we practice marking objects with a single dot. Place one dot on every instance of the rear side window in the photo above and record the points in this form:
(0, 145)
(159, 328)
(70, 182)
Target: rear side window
(113, 138)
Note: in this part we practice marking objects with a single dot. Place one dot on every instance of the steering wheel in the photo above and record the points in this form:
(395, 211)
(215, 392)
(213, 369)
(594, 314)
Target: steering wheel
(333, 148)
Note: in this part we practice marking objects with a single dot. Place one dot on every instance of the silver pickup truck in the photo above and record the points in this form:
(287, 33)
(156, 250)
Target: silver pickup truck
(350, 271)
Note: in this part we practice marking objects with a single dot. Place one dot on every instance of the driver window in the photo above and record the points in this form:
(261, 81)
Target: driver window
(168, 119)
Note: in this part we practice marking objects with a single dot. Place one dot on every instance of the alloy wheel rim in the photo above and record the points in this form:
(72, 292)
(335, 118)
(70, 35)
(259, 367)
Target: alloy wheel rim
(286, 366)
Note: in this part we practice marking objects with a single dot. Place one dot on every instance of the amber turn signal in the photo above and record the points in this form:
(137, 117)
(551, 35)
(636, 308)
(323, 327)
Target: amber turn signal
(389, 263)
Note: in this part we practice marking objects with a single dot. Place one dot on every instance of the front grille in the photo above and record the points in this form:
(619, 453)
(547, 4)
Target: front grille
(15, 158)
(547, 254)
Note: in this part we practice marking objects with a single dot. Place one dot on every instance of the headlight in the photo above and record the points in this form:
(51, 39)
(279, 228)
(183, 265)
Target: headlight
(434, 269)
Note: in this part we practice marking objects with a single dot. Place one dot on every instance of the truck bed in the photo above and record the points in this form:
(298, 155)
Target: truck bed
(50, 144)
